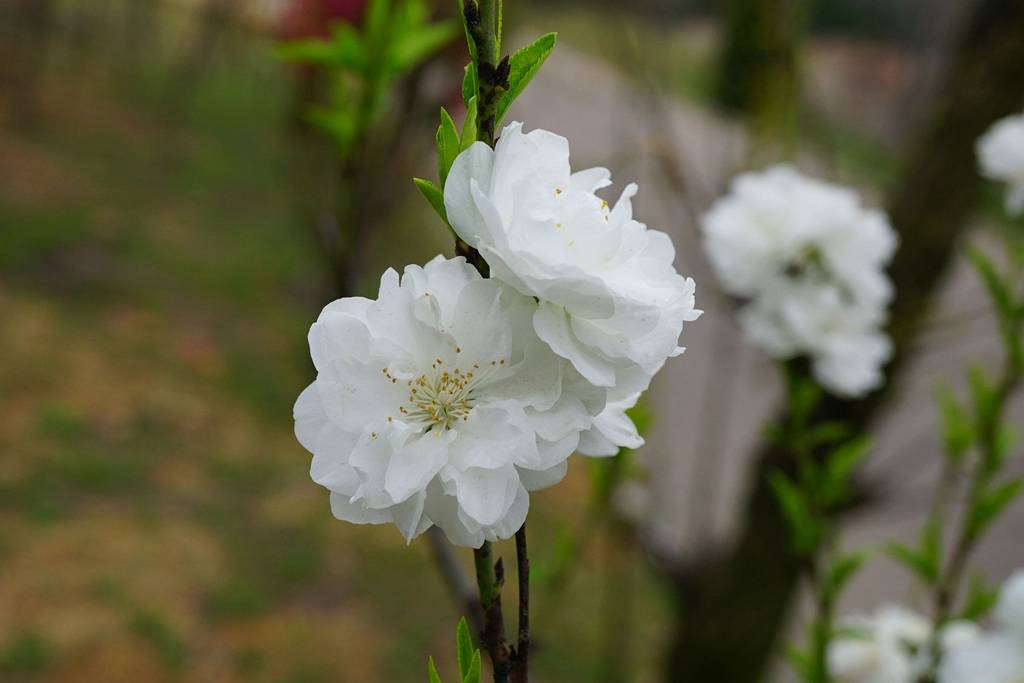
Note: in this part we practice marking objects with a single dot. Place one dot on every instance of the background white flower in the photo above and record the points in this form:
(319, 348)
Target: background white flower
(993, 658)
(1001, 156)
(811, 261)
(879, 648)
(611, 301)
(437, 404)
(1010, 609)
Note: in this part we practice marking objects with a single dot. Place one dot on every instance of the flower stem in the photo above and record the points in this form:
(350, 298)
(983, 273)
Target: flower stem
(521, 665)
(490, 576)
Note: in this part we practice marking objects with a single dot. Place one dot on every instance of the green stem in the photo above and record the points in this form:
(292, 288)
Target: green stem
(490, 576)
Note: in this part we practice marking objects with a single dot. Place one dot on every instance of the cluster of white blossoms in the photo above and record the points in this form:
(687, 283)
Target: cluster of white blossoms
(810, 261)
(895, 645)
(451, 396)
(1001, 155)
(996, 656)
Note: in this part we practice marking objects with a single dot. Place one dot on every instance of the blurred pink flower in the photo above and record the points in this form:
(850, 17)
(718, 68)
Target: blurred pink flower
(309, 18)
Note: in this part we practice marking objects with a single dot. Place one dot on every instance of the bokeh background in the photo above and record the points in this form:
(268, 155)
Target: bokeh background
(162, 204)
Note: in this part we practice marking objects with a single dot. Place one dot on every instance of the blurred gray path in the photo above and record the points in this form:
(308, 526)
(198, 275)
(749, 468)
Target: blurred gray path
(711, 404)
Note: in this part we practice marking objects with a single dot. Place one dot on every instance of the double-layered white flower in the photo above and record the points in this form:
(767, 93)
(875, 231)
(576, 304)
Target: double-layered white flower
(879, 648)
(810, 259)
(610, 300)
(437, 404)
(998, 656)
(1001, 156)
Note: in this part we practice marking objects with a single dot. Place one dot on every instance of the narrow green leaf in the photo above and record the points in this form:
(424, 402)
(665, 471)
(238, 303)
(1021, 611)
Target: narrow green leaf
(992, 504)
(420, 43)
(523, 66)
(981, 599)
(448, 145)
(375, 22)
(432, 193)
(915, 561)
(827, 433)
(983, 393)
(465, 648)
(473, 675)
(469, 87)
(998, 290)
(306, 51)
(796, 510)
(839, 469)
(469, 126)
(432, 671)
(957, 428)
(843, 569)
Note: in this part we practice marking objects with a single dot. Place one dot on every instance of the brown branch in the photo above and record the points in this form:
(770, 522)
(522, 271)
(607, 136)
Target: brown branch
(521, 657)
(490, 577)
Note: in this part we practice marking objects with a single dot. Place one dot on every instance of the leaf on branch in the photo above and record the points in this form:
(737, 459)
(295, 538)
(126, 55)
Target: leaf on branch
(523, 66)
(473, 675)
(432, 193)
(448, 145)
(916, 561)
(469, 85)
(839, 468)
(998, 289)
(843, 569)
(797, 511)
(957, 428)
(419, 43)
(469, 129)
(464, 643)
(991, 504)
(432, 671)
(981, 599)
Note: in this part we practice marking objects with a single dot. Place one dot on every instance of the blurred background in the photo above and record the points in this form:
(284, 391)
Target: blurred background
(172, 219)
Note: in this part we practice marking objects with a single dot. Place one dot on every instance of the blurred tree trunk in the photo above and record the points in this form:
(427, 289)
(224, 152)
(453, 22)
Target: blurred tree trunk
(759, 74)
(733, 607)
(23, 51)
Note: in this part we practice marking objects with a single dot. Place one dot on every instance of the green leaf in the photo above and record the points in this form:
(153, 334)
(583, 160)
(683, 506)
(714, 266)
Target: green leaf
(915, 561)
(469, 87)
(839, 469)
(843, 569)
(998, 289)
(800, 660)
(983, 393)
(306, 51)
(432, 193)
(448, 145)
(469, 125)
(804, 396)
(957, 428)
(465, 647)
(432, 671)
(991, 504)
(411, 49)
(826, 433)
(473, 675)
(375, 22)
(523, 66)
(1005, 439)
(797, 511)
(981, 599)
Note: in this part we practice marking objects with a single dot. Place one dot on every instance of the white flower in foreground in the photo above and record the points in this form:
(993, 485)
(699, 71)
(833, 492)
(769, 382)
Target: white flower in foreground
(810, 258)
(1010, 610)
(612, 430)
(437, 404)
(1001, 156)
(879, 648)
(611, 301)
(995, 658)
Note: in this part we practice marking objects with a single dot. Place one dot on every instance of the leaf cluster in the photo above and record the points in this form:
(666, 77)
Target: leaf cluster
(468, 657)
(364, 63)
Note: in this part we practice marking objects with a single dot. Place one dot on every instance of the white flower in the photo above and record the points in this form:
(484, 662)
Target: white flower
(437, 404)
(1001, 156)
(994, 658)
(879, 648)
(610, 300)
(1010, 610)
(811, 260)
(612, 430)
(842, 338)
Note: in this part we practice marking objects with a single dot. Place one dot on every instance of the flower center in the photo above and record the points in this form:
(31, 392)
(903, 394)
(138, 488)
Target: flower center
(440, 398)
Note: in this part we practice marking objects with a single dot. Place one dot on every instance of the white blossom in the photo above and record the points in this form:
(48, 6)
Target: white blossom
(611, 301)
(612, 430)
(1001, 156)
(879, 648)
(992, 658)
(809, 259)
(437, 404)
(1010, 609)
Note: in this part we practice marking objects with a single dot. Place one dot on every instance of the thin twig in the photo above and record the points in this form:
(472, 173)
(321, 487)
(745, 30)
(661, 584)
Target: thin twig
(521, 665)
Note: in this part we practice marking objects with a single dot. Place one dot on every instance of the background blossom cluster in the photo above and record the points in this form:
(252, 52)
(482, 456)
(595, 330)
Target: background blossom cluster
(808, 259)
